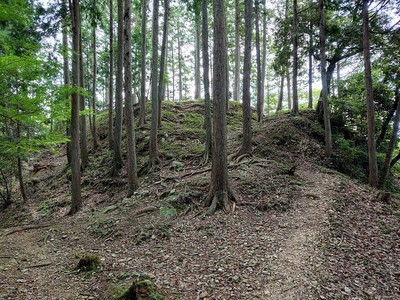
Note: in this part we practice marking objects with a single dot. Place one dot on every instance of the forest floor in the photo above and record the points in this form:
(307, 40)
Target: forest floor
(309, 234)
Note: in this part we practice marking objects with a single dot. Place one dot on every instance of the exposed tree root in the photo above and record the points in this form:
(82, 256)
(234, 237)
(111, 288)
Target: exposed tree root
(224, 199)
(150, 167)
(29, 227)
(145, 210)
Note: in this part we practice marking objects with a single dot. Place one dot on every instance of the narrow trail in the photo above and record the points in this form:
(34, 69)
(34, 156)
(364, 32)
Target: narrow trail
(295, 270)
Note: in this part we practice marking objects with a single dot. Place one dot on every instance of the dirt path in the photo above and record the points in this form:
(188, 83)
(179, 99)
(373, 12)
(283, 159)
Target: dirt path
(250, 255)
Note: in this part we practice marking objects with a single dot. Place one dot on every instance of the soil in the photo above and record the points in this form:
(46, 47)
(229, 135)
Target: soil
(320, 236)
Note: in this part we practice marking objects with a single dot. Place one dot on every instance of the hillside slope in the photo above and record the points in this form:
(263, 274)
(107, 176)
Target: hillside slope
(311, 234)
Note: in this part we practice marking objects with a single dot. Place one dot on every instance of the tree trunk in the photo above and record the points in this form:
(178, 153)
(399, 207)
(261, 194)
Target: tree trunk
(288, 89)
(66, 67)
(111, 80)
(197, 80)
(373, 168)
(280, 99)
(142, 112)
(117, 161)
(236, 93)
(130, 123)
(94, 87)
(327, 121)
(310, 65)
(179, 61)
(154, 88)
(76, 201)
(392, 141)
(220, 193)
(161, 84)
(337, 79)
(260, 101)
(20, 174)
(295, 58)
(83, 140)
(206, 78)
(385, 125)
(173, 70)
(247, 133)
(264, 56)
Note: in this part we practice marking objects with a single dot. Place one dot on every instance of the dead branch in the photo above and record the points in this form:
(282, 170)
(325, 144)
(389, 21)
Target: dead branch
(145, 210)
(29, 227)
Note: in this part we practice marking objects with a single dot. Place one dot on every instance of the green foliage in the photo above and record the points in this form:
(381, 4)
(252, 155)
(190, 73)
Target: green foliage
(167, 211)
(88, 262)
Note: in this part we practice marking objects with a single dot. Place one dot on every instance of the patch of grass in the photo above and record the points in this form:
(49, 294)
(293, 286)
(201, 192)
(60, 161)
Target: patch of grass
(102, 226)
(45, 207)
(88, 262)
(152, 232)
(142, 286)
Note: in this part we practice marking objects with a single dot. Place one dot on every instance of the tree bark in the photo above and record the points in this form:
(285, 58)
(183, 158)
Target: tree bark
(280, 99)
(327, 122)
(161, 84)
(247, 133)
(288, 89)
(236, 93)
(219, 194)
(76, 201)
(385, 125)
(94, 88)
(130, 123)
(372, 163)
(154, 88)
(264, 56)
(260, 100)
(142, 112)
(310, 65)
(295, 58)
(197, 80)
(179, 61)
(392, 141)
(111, 79)
(206, 78)
(117, 159)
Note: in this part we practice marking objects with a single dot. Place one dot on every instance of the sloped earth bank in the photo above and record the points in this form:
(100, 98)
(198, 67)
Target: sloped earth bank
(247, 255)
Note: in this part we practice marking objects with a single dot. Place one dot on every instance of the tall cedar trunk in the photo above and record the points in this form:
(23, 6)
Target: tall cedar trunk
(337, 79)
(76, 201)
(327, 121)
(173, 70)
(385, 125)
(197, 81)
(179, 61)
(142, 115)
(260, 101)
(264, 55)
(20, 174)
(373, 168)
(94, 87)
(154, 88)
(219, 188)
(130, 123)
(392, 141)
(111, 79)
(288, 89)
(295, 58)
(247, 133)
(206, 79)
(66, 67)
(236, 91)
(161, 83)
(117, 161)
(329, 75)
(82, 124)
(280, 99)
(310, 65)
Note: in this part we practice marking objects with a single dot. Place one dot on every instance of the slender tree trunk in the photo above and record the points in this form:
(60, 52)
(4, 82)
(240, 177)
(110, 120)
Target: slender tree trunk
(295, 58)
(173, 70)
(264, 56)
(288, 89)
(260, 101)
(206, 78)
(280, 99)
(219, 190)
(247, 133)
(20, 174)
(66, 67)
(76, 201)
(111, 79)
(117, 160)
(130, 123)
(327, 121)
(83, 140)
(179, 61)
(197, 80)
(94, 88)
(385, 125)
(310, 65)
(337, 79)
(392, 141)
(161, 84)
(372, 163)
(154, 89)
(142, 113)
(236, 93)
